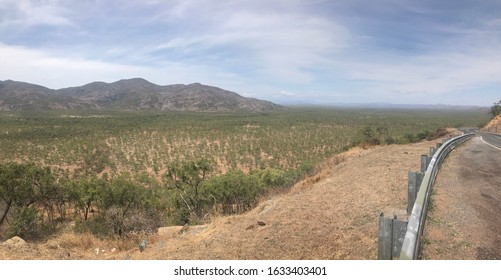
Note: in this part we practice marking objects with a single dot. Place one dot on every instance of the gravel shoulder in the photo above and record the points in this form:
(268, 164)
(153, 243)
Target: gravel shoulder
(465, 221)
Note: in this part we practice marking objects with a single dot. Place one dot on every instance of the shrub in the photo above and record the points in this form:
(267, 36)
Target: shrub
(24, 223)
(440, 132)
(370, 137)
(270, 177)
(423, 135)
(234, 192)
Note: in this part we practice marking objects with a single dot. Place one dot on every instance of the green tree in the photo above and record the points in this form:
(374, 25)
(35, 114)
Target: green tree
(24, 222)
(22, 185)
(496, 109)
(86, 192)
(188, 179)
(52, 198)
(120, 205)
(25, 188)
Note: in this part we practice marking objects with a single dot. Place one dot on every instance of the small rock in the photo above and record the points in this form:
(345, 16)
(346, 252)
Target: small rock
(250, 227)
(261, 223)
(194, 230)
(143, 245)
(52, 245)
(64, 255)
(185, 229)
(15, 241)
(169, 231)
(160, 244)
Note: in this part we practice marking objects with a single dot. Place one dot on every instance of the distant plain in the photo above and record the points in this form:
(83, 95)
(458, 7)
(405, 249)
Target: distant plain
(81, 143)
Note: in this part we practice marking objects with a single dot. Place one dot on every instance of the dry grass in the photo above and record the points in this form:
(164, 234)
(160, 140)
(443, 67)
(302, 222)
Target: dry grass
(331, 215)
(323, 171)
(85, 241)
(494, 125)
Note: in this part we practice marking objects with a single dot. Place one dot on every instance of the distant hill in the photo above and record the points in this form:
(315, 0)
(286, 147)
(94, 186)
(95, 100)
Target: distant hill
(130, 94)
(382, 105)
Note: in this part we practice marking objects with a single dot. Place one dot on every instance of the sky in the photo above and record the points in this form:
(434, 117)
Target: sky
(286, 51)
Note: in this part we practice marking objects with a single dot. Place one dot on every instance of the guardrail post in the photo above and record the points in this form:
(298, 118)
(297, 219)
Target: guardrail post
(432, 151)
(424, 163)
(385, 233)
(414, 181)
(391, 234)
(399, 229)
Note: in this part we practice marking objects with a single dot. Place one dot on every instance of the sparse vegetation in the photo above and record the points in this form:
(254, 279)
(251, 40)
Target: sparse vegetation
(119, 173)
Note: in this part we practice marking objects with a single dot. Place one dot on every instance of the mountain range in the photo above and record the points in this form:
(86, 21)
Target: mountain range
(128, 94)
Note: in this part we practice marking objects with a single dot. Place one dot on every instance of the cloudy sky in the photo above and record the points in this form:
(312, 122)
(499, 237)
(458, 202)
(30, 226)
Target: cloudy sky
(337, 51)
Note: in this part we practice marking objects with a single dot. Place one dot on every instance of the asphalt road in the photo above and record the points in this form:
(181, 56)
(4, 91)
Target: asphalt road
(465, 222)
(491, 139)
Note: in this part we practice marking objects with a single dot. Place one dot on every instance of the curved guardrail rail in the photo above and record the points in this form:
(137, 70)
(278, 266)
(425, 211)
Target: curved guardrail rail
(415, 226)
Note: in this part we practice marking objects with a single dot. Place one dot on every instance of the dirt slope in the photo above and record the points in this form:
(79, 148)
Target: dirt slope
(494, 125)
(331, 216)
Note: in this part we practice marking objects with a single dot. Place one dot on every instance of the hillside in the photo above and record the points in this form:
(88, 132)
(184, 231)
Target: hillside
(494, 125)
(16, 96)
(332, 215)
(131, 94)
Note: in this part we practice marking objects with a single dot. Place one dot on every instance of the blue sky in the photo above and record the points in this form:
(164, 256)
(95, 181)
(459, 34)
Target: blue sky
(356, 51)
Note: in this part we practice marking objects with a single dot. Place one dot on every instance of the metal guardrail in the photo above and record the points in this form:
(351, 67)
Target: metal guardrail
(411, 245)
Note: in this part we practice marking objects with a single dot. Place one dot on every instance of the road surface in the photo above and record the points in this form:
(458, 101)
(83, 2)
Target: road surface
(465, 218)
(493, 140)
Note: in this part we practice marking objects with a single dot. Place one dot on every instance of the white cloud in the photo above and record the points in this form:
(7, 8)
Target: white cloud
(23, 64)
(287, 46)
(423, 78)
(281, 46)
(55, 71)
(27, 13)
